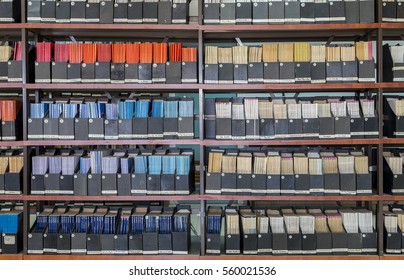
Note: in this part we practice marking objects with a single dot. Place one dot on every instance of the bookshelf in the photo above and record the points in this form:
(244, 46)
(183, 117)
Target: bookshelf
(199, 34)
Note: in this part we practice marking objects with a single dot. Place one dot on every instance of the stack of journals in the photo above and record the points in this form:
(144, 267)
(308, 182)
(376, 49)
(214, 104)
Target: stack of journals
(112, 11)
(78, 119)
(10, 11)
(11, 124)
(143, 63)
(111, 230)
(393, 171)
(265, 118)
(289, 11)
(11, 63)
(116, 172)
(294, 231)
(393, 229)
(392, 11)
(11, 166)
(303, 172)
(290, 63)
(11, 229)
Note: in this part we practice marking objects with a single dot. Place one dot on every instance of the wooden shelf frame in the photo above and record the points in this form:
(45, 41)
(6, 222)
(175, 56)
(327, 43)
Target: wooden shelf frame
(198, 34)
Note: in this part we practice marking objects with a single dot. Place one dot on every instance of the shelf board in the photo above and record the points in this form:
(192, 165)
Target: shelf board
(113, 142)
(12, 257)
(112, 198)
(287, 31)
(288, 87)
(12, 144)
(9, 197)
(192, 257)
(291, 198)
(11, 31)
(196, 196)
(111, 257)
(99, 31)
(289, 257)
(392, 257)
(392, 86)
(393, 141)
(392, 30)
(116, 87)
(294, 142)
(11, 86)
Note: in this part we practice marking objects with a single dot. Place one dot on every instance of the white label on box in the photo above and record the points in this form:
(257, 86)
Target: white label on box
(271, 81)
(33, 19)
(155, 135)
(337, 18)
(358, 251)
(250, 252)
(211, 81)
(181, 192)
(255, 80)
(303, 79)
(276, 20)
(322, 81)
(211, 21)
(165, 251)
(292, 19)
(48, 19)
(35, 252)
(209, 251)
(108, 252)
(89, 81)
(38, 192)
(307, 19)
(159, 80)
(63, 20)
(48, 250)
(389, 19)
(348, 192)
(121, 252)
(124, 136)
(279, 252)
(240, 81)
(93, 252)
(109, 192)
(38, 81)
(135, 20)
(316, 190)
(258, 191)
(67, 252)
(167, 192)
(391, 251)
(179, 21)
(287, 81)
(189, 81)
(134, 252)
(227, 21)
(229, 190)
(302, 192)
(287, 191)
(398, 133)
(59, 81)
(226, 82)
(322, 19)
(95, 135)
(369, 250)
(145, 81)
(336, 192)
(15, 80)
(191, 134)
(239, 20)
(170, 133)
(243, 190)
(12, 192)
(260, 20)
(66, 137)
(324, 251)
(309, 252)
(363, 191)
(134, 81)
(35, 136)
(102, 80)
(213, 191)
(150, 252)
(264, 250)
(274, 191)
(138, 192)
(111, 137)
(180, 252)
(120, 20)
(150, 20)
(394, 191)
(51, 191)
(325, 136)
(92, 20)
(371, 80)
(339, 250)
(8, 138)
